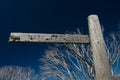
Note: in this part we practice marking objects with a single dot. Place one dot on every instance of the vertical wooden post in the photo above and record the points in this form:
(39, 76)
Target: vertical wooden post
(101, 63)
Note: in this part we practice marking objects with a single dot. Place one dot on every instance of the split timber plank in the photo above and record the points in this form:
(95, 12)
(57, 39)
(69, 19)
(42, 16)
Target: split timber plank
(49, 38)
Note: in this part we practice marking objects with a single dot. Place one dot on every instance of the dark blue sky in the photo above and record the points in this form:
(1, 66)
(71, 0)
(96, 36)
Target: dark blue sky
(48, 16)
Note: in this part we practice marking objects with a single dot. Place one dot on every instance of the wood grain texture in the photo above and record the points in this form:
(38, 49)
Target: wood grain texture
(101, 63)
(49, 38)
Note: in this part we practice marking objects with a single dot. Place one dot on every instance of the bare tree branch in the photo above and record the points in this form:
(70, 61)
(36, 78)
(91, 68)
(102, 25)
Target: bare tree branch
(75, 61)
(17, 73)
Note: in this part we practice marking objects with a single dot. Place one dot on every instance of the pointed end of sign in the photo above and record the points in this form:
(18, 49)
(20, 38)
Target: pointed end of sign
(13, 37)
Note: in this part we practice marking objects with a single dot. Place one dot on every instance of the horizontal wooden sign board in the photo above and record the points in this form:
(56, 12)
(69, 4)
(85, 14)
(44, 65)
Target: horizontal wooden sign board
(48, 38)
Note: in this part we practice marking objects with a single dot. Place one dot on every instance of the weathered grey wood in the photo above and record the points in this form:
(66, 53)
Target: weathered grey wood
(49, 38)
(101, 63)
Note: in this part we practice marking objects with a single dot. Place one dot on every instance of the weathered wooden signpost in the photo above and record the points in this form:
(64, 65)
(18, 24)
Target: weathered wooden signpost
(101, 63)
(95, 38)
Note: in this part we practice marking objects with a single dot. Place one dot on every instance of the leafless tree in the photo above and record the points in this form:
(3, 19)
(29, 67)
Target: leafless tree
(113, 50)
(75, 61)
(68, 63)
(17, 73)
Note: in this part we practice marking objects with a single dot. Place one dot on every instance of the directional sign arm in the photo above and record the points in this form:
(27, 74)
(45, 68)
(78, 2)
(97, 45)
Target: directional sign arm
(48, 38)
